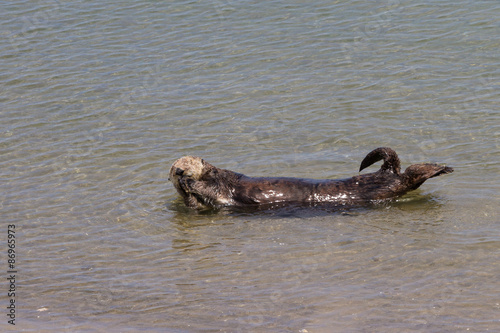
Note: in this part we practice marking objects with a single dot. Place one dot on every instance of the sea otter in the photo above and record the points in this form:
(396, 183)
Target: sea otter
(202, 185)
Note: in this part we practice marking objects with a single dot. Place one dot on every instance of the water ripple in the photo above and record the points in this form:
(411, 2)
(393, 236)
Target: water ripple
(99, 98)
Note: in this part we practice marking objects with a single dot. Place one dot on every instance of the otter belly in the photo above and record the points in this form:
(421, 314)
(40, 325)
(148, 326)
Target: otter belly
(261, 190)
(346, 191)
(364, 188)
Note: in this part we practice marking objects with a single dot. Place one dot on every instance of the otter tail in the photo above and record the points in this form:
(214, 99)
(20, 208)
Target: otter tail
(391, 160)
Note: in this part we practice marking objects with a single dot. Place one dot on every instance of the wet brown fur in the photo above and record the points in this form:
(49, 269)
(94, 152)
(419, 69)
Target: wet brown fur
(203, 185)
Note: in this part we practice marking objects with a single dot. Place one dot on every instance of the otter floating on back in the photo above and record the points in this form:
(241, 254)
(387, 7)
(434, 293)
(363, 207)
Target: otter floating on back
(203, 185)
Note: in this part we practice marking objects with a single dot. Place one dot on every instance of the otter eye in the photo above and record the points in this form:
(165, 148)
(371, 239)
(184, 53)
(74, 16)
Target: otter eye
(179, 172)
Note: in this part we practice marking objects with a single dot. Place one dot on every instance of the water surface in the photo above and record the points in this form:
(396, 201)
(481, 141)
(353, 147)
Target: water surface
(99, 99)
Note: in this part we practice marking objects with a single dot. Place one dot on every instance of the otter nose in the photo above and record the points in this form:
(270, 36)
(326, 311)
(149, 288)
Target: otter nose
(179, 172)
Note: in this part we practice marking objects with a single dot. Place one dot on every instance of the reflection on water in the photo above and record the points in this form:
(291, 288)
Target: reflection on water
(98, 100)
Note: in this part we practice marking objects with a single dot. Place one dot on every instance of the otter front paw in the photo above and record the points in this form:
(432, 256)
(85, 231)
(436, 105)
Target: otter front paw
(186, 183)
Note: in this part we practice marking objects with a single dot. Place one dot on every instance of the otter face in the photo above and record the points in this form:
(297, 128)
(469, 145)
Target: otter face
(199, 183)
(187, 166)
(184, 169)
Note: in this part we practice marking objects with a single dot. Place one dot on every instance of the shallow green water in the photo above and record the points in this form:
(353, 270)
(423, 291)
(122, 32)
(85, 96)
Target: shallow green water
(99, 99)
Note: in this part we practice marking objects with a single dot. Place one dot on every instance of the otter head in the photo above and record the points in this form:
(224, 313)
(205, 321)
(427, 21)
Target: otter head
(187, 166)
(184, 168)
(201, 184)
(197, 182)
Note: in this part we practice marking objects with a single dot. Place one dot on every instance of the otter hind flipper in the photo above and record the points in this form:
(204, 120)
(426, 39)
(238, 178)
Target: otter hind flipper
(416, 174)
(391, 159)
(443, 171)
(427, 170)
